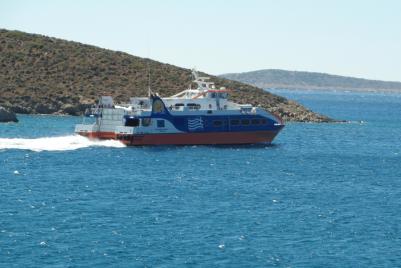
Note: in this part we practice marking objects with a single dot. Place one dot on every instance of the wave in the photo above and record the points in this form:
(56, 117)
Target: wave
(64, 143)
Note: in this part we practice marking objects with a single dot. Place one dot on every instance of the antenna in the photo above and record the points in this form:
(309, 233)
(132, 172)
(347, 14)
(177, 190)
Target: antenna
(148, 68)
(149, 90)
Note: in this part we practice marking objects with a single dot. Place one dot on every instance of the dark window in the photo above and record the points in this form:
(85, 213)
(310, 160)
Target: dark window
(131, 122)
(217, 123)
(263, 121)
(255, 121)
(234, 122)
(160, 123)
(193, 106)
(146, 122)
(223, 95)
(245, 122)
(178, 106)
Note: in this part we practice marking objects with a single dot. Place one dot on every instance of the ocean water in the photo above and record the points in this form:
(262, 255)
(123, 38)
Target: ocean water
(322, 195)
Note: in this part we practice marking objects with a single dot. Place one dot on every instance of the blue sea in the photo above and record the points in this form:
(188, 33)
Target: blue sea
(322, 195)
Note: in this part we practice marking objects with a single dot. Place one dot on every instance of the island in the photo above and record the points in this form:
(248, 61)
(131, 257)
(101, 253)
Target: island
(46, 75)
(295, 80)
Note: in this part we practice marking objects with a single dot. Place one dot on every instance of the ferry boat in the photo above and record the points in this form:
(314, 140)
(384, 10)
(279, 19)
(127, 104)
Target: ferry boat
(201, 116)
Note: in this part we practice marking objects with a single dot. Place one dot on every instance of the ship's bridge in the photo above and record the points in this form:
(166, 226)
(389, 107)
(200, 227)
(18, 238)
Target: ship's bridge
(205, 97)
(204, 89)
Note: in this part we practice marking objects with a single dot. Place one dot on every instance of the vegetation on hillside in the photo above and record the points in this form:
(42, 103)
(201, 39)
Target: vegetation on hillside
(40, 74)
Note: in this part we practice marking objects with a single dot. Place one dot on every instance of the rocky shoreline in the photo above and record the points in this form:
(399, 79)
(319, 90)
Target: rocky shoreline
(7, 116)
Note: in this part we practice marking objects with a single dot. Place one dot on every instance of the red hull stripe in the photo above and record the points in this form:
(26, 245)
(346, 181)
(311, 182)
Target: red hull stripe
(189, 138)
(99, 135)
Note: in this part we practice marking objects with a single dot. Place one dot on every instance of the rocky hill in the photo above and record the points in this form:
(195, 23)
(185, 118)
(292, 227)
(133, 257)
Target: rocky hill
(40, 74)
(309, 80)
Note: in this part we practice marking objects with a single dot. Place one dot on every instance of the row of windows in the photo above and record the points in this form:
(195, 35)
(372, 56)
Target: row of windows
(135, 122)
(191, 106)
(243, 122)
(188, 104)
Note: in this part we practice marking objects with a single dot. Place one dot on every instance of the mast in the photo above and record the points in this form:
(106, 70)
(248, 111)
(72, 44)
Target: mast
(149, 90)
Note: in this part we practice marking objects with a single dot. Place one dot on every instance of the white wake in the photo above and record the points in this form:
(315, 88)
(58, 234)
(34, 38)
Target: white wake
(64, 143)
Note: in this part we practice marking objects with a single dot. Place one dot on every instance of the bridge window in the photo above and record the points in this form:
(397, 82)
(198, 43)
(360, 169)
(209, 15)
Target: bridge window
(263, 121)
(178, 106)
(223, 95)
(193, 106)
(160, 123)
(146, 121)
(245, 122)
(131, 122)
(255, 121)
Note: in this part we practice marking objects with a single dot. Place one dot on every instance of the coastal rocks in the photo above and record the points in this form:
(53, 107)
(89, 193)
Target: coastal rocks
(70, 109)
(293, 111)
(41, 108)
(21, 109)
(48, 108)
(74, 109)
(7, 116)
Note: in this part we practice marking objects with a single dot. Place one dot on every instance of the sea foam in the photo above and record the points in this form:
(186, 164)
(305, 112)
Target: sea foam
(63, 143)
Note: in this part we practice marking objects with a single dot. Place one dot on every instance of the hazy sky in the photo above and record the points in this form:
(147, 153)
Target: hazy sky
(355, 38)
